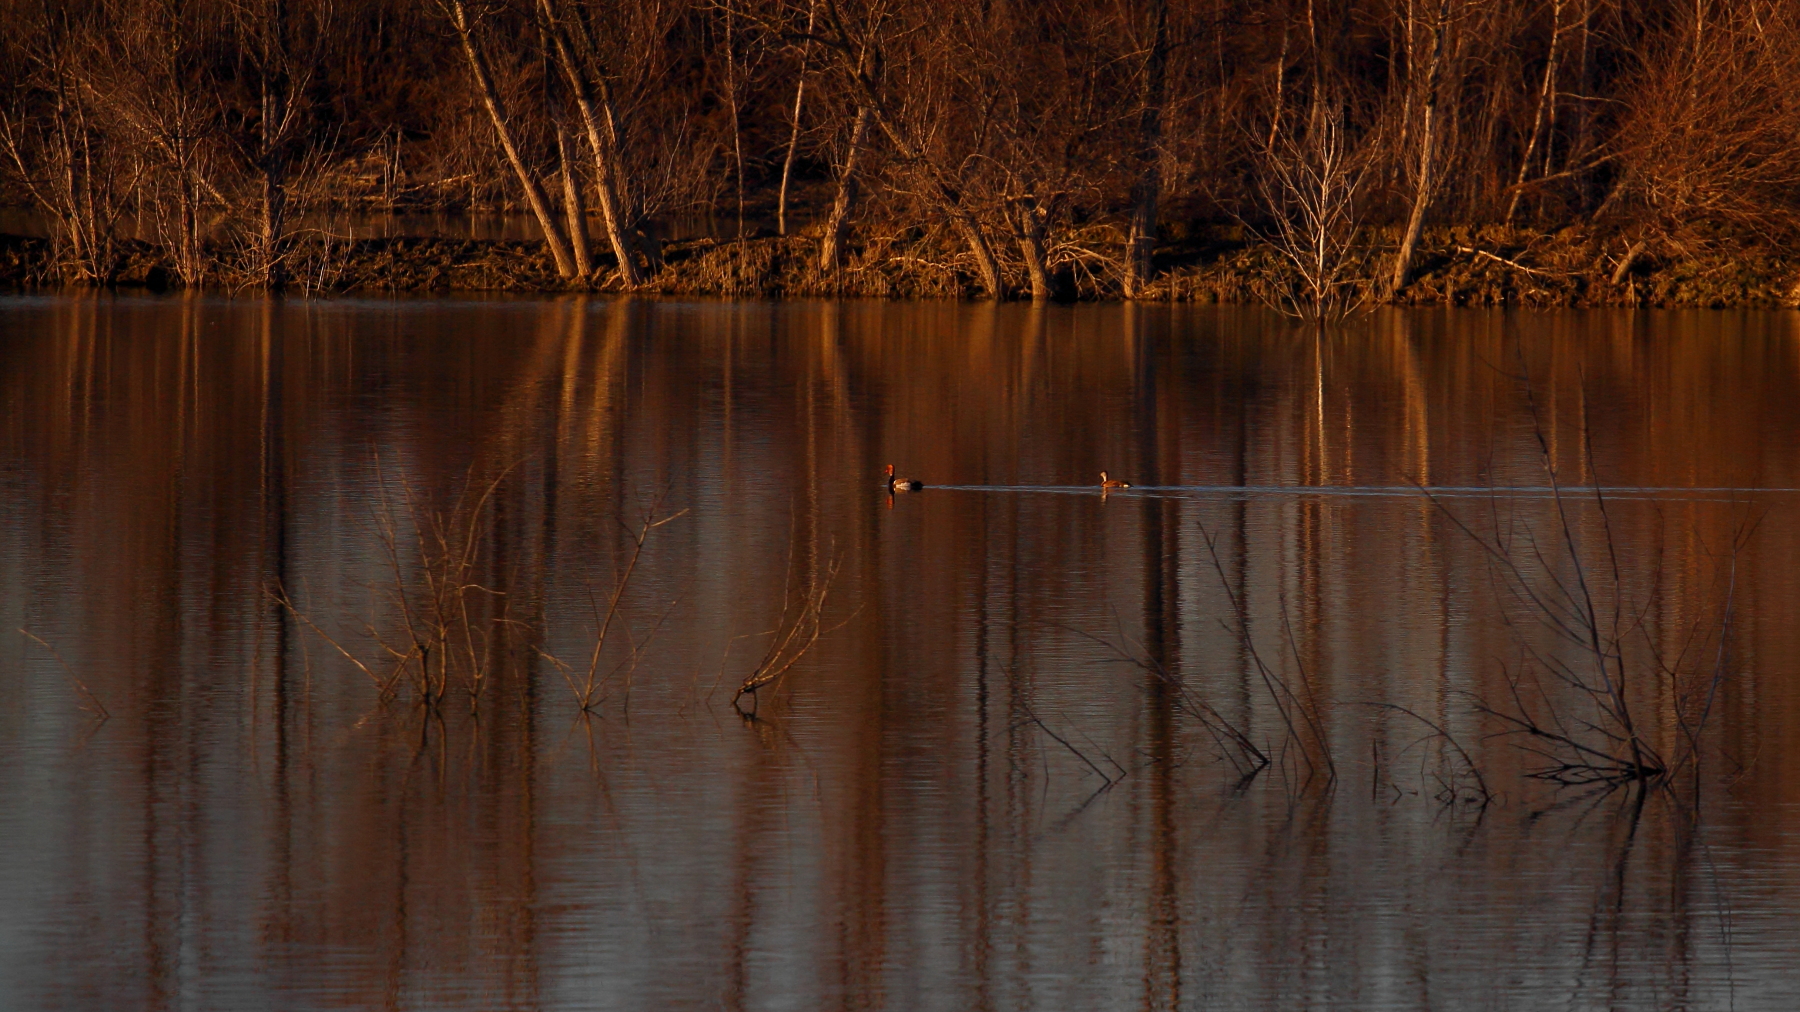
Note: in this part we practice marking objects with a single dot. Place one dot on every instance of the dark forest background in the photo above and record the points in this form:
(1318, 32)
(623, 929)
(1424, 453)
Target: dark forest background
(1038, 144)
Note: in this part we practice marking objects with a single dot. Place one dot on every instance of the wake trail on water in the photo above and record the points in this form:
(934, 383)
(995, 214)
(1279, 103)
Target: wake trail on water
(1711, 494)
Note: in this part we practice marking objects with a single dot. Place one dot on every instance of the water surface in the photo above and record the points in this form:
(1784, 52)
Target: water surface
(997, 780)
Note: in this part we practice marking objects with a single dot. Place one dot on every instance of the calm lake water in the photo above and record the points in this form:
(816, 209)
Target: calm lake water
(1011, 752)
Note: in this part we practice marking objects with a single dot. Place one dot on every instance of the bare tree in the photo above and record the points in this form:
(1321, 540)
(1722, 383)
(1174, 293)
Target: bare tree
(1712, 137)
(1426, 93)
(483, 79)
(859, 46)
(149, 71)
(1146, 192)
(61, 154)
(837, 226)
(281, 44)
(1545, 112)
(793, 145)
(1309, 188)
(576, 57)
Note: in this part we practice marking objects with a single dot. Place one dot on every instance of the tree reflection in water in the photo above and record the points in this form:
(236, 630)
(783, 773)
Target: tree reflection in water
(991, 782)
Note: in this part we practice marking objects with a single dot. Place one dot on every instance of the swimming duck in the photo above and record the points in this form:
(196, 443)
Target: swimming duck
(901, 484)
(1106, 483)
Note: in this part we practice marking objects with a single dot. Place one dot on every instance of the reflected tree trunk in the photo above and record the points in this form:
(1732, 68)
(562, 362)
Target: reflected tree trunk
(1162, 944)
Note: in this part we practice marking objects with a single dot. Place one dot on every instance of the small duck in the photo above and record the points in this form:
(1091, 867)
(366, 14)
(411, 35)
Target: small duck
(901, 484)
(1107, 483)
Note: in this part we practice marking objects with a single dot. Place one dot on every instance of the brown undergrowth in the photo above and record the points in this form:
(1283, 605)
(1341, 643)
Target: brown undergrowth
(1460, 266)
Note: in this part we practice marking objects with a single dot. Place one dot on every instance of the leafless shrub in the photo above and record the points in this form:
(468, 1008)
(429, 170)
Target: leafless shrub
(89, 701)
(1301, 715)
(1578, 705)
(1108, 780)
(590, 685)
(1709, 135)
(59, 150)
(151, 73)
(1308, 192)
(1233, 743)
(1458, 782)
(449, 619)
(449, 623)
(797, 629)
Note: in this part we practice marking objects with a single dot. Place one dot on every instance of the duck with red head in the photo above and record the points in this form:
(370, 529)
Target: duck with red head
(1111, 483)
(901, 484)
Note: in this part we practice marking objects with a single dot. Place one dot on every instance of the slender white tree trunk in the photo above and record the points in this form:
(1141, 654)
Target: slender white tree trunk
(603, 145)
(535, 197)
(731, 97)
(579, 243)
(1545, 103)
(1146, 192)
(837, 227)
(787, 163)
(1428, 144)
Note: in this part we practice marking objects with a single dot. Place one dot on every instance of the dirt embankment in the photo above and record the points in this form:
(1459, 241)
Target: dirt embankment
(1457, 266)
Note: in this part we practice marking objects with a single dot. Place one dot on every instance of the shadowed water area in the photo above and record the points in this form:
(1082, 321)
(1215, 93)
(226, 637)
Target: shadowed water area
(1018, 745)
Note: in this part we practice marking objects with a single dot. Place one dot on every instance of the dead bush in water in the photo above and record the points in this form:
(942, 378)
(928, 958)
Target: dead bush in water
(452, 611)
(452, 618)
(1580, 707)
(797, 629)
(590, 687)
(1302, 718)
(1458, 781)
(1233, 744)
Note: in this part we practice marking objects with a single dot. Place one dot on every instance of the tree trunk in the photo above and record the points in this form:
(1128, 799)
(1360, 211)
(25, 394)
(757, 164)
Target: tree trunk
(787, 163)
(603, 144)
(1146, 192)
(861, 63)
(490, 98)
(1623, 271)
(579, 243)
(831, 245)
(986, 263)
(1029, 230)
(1545, 103)
(190, 264)
(1415, 222)
(737, 134)
(274, 211)
(273, 156)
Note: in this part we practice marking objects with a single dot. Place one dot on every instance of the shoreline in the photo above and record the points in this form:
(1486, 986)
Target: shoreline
(1457, 266)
